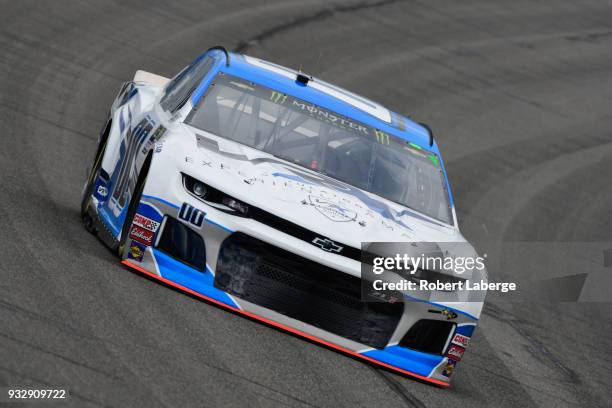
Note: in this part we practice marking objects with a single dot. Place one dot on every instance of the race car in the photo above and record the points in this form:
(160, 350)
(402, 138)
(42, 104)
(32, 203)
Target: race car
(254, 186)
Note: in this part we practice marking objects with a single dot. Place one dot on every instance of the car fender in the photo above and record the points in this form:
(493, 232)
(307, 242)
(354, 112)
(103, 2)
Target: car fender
(134, 125)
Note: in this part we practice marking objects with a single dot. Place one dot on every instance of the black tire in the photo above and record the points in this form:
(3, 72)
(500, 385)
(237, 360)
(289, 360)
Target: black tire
(135, 200)
(88, 221)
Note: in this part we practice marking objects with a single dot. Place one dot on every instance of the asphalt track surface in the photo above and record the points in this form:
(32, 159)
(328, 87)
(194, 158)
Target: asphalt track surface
(519, 95)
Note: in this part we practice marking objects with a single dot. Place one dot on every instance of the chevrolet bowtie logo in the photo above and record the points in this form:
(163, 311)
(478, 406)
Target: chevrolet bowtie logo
(327, 244)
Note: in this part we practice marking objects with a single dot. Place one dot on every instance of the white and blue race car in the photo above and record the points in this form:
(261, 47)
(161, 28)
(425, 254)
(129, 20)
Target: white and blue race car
(254, 186)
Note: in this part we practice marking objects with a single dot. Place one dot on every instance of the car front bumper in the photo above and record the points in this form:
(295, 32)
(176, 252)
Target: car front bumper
(145, 255)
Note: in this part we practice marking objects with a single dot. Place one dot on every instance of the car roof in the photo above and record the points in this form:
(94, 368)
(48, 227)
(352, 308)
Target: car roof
(326, 95)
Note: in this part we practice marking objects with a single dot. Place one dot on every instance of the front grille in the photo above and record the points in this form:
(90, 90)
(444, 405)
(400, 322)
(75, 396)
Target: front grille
(297, 287)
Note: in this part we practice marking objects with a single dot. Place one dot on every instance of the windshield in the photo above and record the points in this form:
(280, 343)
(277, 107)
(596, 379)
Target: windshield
(324, 141)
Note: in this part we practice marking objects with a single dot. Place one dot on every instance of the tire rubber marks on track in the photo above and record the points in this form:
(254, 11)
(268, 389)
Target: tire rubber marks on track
(244, 45)
(397, 388)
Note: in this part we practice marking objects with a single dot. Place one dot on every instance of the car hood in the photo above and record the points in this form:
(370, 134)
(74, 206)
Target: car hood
(312, 200)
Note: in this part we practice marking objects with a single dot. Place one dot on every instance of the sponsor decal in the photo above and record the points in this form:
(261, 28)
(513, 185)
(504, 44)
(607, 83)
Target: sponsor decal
(145, 223)
(141, 235)
(191, 215)
(381, 137)
(277, 97)
(159, 132)
(327, 244)
(449, 314)
(450, 367)
(331, 210)
(455, 352)
(326, 116)
(136, 251)
(295, 104)
(461, 340)
(102, 191)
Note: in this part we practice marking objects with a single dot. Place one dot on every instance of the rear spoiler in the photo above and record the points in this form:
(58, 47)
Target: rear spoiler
(150, 78)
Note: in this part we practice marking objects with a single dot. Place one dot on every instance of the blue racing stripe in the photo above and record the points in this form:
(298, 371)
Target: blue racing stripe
(466, 329)
(201, 282)
(108, 220)
(161, 200)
